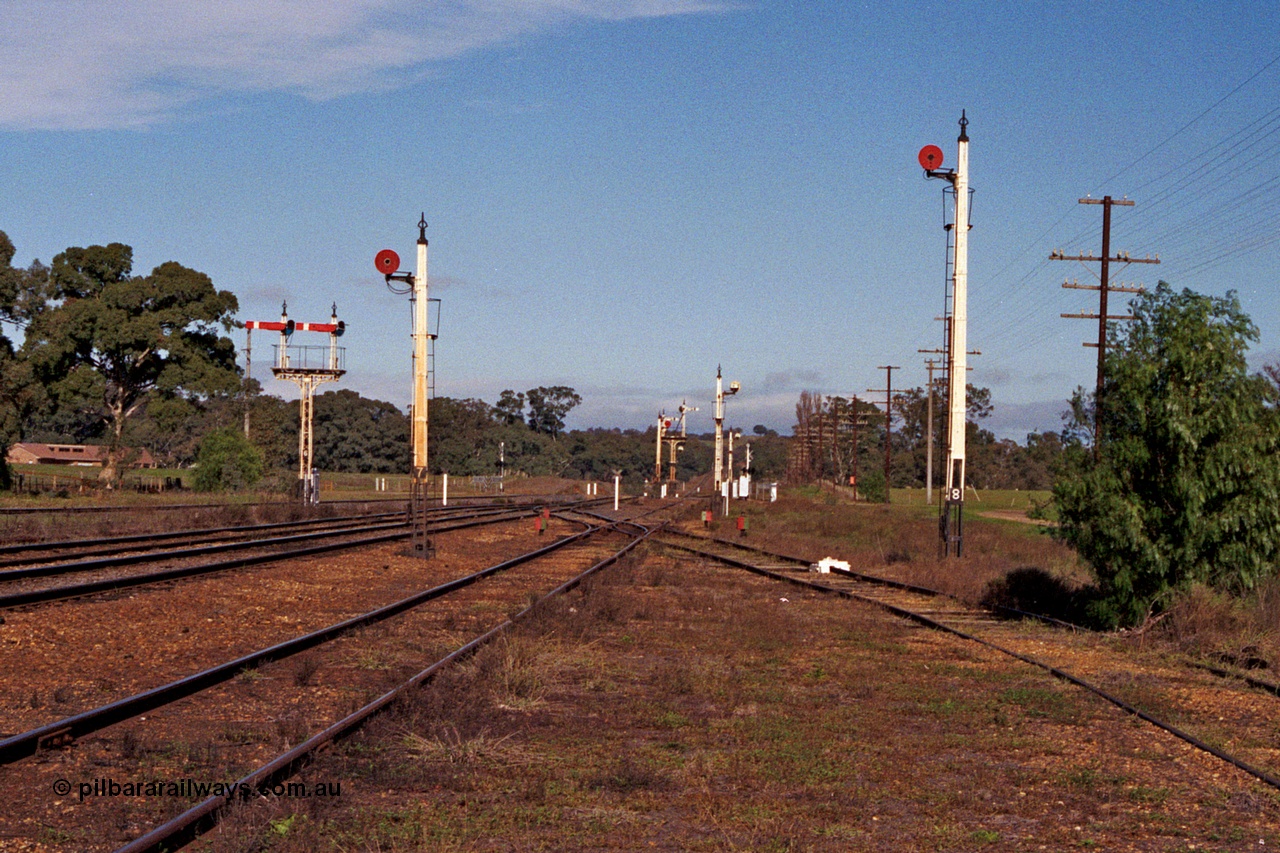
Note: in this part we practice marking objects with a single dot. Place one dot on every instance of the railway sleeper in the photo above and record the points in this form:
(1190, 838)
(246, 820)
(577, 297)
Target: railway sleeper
(57, 739)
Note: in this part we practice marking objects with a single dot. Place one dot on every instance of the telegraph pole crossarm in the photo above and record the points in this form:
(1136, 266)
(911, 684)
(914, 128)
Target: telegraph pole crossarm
(887, 390)
(1104, 287)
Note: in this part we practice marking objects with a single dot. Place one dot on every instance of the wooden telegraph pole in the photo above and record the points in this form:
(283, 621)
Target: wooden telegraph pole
(888, 420)
(930, 364)
(1104, 287)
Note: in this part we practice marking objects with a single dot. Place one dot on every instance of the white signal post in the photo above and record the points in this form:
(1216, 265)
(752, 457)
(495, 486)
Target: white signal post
(387, 262)
(421, 335)
(733, 479)
(663, 423)
(734, 387)
(675, 442)
(959, 324)
(957, 336)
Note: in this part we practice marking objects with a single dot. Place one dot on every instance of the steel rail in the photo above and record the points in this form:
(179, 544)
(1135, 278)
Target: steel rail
(928, 622)
(200, 818)
(20, 746)
(470, 499)
(73, 544)
(104, 559)
(1219, 670)
(77, 590)
(137, 558)
(76, 510)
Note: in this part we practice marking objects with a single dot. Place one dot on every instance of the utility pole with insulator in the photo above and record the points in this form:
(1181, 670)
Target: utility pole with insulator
(888, 421)
(930, 364)
(1104, 287)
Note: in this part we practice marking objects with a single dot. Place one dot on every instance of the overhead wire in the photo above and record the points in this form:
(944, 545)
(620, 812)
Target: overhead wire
(1195, 236)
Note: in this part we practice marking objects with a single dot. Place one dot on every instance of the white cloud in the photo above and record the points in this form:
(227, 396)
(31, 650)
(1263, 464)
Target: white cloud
(86, 64)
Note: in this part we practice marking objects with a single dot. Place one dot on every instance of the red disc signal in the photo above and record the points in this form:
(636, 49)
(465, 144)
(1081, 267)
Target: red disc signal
(387, 262)
(930, 157)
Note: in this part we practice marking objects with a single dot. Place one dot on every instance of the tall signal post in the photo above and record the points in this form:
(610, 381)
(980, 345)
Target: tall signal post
(734, 387)
(950, 521)
(1104, 287)
(387, 263)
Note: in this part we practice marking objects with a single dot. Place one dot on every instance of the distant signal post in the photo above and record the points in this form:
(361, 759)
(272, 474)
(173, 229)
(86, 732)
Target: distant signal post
(721, 488)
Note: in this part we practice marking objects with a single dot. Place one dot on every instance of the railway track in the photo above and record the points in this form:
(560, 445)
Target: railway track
(68, 729)
(29, 553)
(563, 564)
(999, 633)
(172, 507)
(17, 585)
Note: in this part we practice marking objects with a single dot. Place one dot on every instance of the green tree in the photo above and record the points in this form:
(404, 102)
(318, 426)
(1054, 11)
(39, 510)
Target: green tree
(911, 442)
(114, 338)
(1185, 486)
(464, 436)
(510, 408)
(548, 407)
(227, 462)
(23, 294)
(359, 435)
(274, 430)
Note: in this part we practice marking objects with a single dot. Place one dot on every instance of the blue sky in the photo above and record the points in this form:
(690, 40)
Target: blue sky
(624, 194)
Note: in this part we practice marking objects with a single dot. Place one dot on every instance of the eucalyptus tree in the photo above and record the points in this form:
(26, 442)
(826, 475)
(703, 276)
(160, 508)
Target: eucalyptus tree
(108, 339)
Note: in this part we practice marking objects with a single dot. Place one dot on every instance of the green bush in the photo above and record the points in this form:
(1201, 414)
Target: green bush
(227, 461)
(1185, 485)
(871, 485)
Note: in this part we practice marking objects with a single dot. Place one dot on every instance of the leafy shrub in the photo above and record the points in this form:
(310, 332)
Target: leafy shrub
(227, 461)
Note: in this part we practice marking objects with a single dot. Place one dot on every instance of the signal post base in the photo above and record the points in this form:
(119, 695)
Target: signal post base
(951, 527)
(420, 544)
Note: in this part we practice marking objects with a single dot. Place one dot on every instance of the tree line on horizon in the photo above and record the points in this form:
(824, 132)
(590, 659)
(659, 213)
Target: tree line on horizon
(123, 360)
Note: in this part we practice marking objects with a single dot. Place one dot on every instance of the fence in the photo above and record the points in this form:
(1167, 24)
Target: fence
(35, 484)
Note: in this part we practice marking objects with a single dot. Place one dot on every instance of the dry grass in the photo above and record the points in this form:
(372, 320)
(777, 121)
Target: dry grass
(902, 542)
(1240, 632)
(1010, 564)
